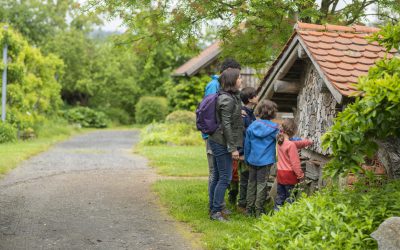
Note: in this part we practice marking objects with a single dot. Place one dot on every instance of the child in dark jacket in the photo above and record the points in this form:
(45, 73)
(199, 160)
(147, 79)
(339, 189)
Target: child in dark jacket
(249, 98)
(260, 155)
(289, 170)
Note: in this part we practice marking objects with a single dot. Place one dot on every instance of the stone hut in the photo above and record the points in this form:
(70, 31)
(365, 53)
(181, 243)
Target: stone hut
(313, 79)
(207, 62)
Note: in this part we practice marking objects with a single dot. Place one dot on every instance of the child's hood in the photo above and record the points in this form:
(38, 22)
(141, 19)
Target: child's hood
(264, 128)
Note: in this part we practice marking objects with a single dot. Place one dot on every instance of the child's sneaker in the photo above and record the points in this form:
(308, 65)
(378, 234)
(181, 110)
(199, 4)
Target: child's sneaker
(218, 216)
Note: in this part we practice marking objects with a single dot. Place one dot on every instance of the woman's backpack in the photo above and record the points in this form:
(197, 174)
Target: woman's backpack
(206, 114)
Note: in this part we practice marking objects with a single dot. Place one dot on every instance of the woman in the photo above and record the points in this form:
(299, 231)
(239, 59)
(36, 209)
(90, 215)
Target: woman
(226, 139)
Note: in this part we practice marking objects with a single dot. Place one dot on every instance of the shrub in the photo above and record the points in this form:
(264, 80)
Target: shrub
(151, 109)
(117, 115)
(182, 116)
(86, 117)
(172, 134)
(330, 219)
(7, 133)
(187, 93)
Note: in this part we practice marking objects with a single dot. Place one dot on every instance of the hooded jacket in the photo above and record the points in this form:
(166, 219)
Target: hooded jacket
(260, 143)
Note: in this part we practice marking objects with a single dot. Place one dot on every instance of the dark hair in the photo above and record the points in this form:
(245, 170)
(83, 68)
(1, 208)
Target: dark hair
(247, 93)
(228, 79)
(229, 63)
(267, 110)
(288, 127)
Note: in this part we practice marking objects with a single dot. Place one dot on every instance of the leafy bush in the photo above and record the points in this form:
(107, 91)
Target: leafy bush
(330, 219)
(182, 116)
(151, 109)
(33, 93)
(173, 134)
(374, 116)
(187, 93)
(117, 115)
(7, 133)
(86, 117)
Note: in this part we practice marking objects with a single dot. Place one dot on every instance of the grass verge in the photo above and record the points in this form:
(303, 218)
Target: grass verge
(13, 153)
(187, 201)
(176, 160)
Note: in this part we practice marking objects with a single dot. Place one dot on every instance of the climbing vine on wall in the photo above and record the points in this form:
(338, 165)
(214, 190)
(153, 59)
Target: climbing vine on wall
(32, 90)
(374, 115)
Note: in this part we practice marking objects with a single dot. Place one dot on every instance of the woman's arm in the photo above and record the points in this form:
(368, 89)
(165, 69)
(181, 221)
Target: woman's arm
(226, 106)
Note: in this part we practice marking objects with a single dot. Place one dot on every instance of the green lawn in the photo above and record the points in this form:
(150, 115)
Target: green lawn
(11, 154)
(187, 201)
(176, 160)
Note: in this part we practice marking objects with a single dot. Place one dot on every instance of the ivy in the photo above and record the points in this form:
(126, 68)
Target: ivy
(375, 114)
(32, 89)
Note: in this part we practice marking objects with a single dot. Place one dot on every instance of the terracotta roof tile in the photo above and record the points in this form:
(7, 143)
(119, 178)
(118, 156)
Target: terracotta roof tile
(346, 66)
(334, 59)
(325, 45)
(345, 41)
(356, 47)
(370, 54)
(351, 53)
(334, 52)
(339, 28)
(359, 41)
(328, 65)
(319, 52)
(362, 67)
(373, 48)
(339, 46)
(342, 53)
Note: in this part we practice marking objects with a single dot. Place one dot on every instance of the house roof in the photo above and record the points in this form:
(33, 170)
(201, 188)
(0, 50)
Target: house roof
(194, 65)
(340, 53)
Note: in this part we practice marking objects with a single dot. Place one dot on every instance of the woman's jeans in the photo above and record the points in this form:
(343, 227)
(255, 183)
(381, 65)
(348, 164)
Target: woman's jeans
(221, 177)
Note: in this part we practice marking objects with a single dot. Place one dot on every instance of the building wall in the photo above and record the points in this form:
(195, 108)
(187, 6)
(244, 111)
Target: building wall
(316, 108)
(251, 77)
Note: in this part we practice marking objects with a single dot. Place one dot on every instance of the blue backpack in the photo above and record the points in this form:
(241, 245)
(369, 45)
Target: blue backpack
(206, 114)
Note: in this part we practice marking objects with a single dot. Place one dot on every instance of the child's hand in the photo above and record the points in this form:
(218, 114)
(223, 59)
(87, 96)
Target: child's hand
(241, 158)
(235, 155)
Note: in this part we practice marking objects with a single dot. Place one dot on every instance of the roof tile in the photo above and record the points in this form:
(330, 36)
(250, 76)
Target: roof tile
(339, 46)
(331, 34)
(373, 48)
(362, 67)
(345, 41)
(319, 52)
(370, 54)
(352, 53)
(339, 28)
(356, 47)
(328, 65)
(325, 46)
(346, 66)
(334, 52)
(359, 41)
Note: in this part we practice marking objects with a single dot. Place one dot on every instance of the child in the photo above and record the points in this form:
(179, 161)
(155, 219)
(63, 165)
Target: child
(289, 170)
(260, 154)
(250, 100)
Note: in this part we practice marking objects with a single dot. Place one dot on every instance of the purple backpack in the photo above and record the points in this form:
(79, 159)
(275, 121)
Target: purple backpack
(206, 114)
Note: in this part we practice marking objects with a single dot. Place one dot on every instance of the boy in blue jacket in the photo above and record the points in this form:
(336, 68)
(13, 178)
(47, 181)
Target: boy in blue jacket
(260, 155)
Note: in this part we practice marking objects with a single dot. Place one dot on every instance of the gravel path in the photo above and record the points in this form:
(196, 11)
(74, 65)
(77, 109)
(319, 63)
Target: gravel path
(89, 192)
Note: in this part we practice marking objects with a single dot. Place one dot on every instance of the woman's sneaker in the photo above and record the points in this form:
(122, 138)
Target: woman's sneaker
(218, 216)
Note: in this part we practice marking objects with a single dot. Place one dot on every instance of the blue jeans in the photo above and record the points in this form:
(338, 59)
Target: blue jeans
(221, 176)
(283, 195)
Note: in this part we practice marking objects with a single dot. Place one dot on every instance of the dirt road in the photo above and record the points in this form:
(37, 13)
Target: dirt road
(89, 192)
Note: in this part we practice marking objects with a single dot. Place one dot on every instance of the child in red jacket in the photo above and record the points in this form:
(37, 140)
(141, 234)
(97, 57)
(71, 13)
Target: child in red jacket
(289, 170)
